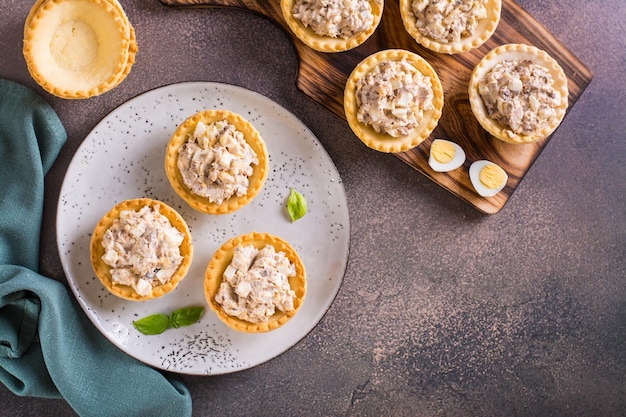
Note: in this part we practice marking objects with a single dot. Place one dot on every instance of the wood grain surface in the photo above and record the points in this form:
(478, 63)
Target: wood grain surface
(322, 77)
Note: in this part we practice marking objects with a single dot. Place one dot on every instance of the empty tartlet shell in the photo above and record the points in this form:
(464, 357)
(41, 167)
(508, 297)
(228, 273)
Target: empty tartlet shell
(326, 43)
(485, 29)
(252, 137)
(223, 257)
(116, 42)
(517, 52)
(102, 270)
(381, 141)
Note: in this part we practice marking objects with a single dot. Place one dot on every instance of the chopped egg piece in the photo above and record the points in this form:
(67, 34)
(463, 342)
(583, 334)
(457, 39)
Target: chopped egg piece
(487, 178)
(445, 156)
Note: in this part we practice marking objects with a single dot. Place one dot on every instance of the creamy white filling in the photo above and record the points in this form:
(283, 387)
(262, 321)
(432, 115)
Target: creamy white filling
(519, 94)
(143, 249)
(256, 284)
(393, 97)
(216, 161)
(335, 18)
(448, 21)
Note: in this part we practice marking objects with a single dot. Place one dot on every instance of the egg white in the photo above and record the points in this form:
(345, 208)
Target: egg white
(474, 172)
(457, 161)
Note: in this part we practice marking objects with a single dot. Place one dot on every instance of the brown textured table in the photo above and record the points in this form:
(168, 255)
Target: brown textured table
(443, 311)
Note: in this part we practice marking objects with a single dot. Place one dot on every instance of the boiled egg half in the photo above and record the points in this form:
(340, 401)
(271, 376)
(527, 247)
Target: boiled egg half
(445, 155)
(487, 178)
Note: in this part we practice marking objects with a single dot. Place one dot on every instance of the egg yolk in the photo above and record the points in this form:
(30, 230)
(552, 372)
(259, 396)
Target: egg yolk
(492, 176)
(443, 151)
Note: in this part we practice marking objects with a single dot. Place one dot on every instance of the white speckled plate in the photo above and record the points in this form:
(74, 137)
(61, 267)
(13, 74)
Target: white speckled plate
(123, 158)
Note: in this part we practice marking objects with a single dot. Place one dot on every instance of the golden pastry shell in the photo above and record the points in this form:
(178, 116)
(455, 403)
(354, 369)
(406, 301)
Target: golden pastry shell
(252, 137)
(486, 28)
(517, 52)
(102, 270)
(115, 55)
(327, 43)
(223, 257)
(380, 141)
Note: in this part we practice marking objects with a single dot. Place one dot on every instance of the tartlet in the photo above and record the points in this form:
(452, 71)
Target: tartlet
(222, 258)
(103, 270)
(517, 52)
(77, 49)
(327, 43)
(485, 28)
(252, 137)
(381, 141)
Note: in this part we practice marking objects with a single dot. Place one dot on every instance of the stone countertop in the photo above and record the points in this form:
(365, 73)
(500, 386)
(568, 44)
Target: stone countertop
(443, 311)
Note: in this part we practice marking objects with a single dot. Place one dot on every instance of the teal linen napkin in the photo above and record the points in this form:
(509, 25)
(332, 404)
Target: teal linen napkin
(48, 348)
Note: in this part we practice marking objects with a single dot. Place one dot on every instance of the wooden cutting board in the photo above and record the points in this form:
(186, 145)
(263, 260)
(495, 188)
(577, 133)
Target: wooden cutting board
(322, 77)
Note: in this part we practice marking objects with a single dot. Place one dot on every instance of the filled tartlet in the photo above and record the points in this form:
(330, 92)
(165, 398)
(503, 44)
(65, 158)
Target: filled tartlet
(393, 100)
(518, 93)
(332, 25)
(77, 49)
(255, 282)
(141, 249)
(216, 161)
(450, 27)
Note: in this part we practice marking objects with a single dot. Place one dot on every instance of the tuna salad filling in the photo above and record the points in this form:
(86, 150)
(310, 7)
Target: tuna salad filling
(216, 161)
(143, 249)
(448, 20)
(335, 18)
(256, 284)
(520, 95)
(393, 97)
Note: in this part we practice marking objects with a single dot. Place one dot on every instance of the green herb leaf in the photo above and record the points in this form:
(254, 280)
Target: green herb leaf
(296, 205)
(185, 316)
(158, 323)
(151, 325)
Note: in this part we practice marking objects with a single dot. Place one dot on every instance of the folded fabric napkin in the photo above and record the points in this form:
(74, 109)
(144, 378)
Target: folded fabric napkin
(48, 348)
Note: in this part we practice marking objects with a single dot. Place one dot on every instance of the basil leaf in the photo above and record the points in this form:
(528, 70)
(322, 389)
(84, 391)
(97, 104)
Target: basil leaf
(185, 316)
(151, 325)
(296, 205)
